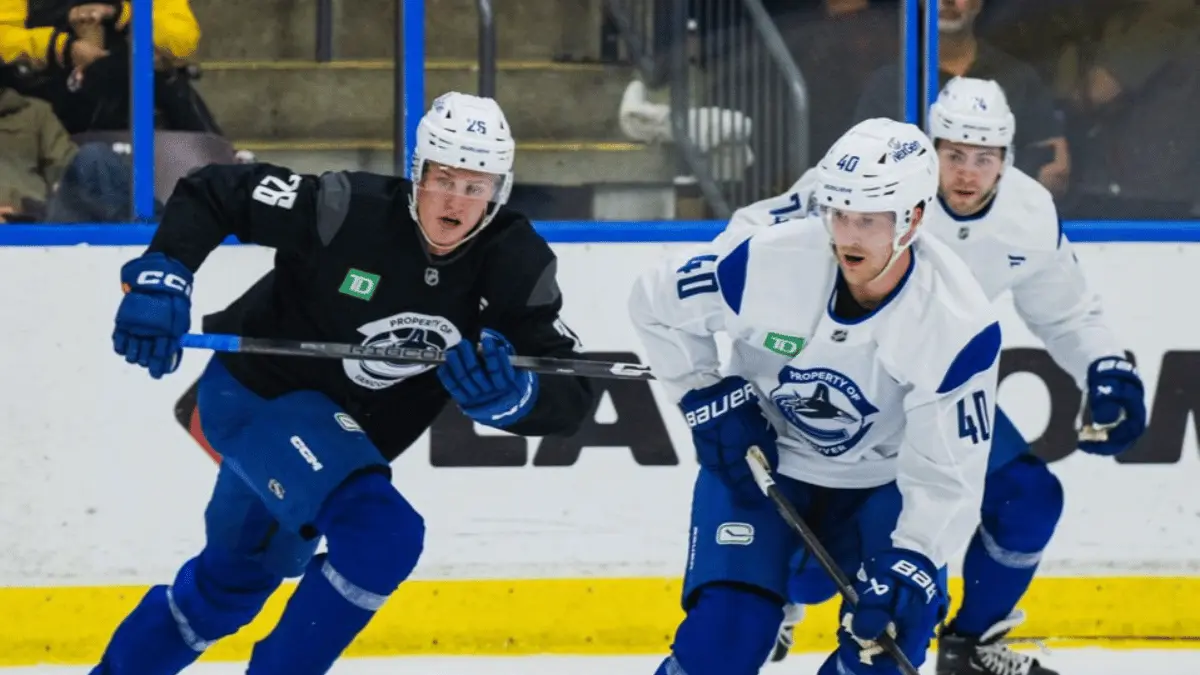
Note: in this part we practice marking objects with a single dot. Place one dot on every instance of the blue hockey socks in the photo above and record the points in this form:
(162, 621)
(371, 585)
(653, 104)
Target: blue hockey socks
(991, 589)
(1021, 507)
(729, 630)
(214, 594)
(374, 538)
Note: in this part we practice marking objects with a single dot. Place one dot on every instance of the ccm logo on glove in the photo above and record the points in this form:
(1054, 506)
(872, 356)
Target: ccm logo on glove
(157, 278)
(714, 409)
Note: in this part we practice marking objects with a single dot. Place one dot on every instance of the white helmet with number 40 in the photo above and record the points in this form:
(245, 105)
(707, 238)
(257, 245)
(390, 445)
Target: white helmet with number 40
(880, 166)
(462, 131)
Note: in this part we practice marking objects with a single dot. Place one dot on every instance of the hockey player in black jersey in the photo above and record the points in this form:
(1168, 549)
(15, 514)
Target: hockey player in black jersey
(305, 443)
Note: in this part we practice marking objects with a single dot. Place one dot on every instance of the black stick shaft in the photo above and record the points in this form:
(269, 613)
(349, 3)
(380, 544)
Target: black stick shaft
(338, 350)
(762, 475)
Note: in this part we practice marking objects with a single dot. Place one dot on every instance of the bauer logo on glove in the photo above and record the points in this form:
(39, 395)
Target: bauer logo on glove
(711, 410)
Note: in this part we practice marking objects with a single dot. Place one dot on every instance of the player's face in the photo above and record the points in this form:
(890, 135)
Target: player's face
(862, 241)
(969, 174)
(451, 202)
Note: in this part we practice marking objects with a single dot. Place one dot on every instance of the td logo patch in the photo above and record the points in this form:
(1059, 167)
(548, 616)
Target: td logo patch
(787, 345)
(359, 284)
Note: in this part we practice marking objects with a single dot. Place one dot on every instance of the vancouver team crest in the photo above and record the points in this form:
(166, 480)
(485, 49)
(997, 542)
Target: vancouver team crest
(828, 409)
(407, 329)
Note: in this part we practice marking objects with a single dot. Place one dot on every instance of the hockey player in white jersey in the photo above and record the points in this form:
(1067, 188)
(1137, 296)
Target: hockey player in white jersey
(863, 363)
(1005, 226)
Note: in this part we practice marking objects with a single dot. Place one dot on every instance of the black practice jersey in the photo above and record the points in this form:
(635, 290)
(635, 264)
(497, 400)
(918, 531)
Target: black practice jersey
(350, 266)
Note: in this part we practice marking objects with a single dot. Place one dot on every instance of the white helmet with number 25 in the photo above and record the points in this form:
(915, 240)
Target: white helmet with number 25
(466, 132)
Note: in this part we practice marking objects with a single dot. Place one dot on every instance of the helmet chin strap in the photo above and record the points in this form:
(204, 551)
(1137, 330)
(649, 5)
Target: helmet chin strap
(897, 251)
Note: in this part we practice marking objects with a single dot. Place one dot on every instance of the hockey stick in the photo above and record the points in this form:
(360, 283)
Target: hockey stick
(415, 355)
(761, 470)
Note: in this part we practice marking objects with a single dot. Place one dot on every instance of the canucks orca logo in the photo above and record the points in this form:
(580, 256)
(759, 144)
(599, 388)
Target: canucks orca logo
(829, 409)
(407, 329)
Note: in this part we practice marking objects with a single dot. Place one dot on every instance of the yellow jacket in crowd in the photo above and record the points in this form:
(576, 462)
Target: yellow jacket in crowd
(176, 33)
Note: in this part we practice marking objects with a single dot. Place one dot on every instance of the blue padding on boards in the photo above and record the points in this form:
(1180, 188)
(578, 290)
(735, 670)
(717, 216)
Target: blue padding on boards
(596, 232)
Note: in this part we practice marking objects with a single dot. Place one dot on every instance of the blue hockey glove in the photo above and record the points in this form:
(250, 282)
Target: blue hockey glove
(1114, 386)
(486, 386)
(154, 314)
(897, 587)
(725, 420)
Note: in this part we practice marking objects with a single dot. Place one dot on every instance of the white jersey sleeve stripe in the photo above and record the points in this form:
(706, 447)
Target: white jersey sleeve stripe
(731, 275)
(978, 355)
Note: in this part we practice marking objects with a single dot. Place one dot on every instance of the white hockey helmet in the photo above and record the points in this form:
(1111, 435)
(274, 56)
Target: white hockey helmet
(880, 165)
(974, 111)
(466, 132)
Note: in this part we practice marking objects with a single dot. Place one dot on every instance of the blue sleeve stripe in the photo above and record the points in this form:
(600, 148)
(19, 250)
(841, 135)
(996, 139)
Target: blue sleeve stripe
(977, 356)
(731, 275)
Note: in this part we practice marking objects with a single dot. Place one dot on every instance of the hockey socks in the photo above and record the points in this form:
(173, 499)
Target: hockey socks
(374, 538)
(1021, 507)
(991, 589)
(214, 595)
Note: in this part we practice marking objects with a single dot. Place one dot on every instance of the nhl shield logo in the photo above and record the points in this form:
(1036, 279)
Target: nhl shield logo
(431, 276)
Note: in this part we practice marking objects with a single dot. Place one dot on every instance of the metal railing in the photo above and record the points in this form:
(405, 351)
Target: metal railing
(642, 25)
(739, 103)
(409, 83)
(324, 31)
(487, 49)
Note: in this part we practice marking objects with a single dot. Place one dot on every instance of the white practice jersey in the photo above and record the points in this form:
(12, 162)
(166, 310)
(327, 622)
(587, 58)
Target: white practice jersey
(905, 393)
(1017, 245)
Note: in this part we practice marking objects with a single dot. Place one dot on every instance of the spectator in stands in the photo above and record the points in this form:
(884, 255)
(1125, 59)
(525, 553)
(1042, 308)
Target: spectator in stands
(76, 56)
(34, 153)
(97, 187)
(1041, 144)
(44, 176)
(1131, 83)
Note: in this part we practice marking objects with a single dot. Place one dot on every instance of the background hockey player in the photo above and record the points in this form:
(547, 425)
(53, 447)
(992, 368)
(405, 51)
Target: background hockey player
(864, 364)
(1005, 225)
(306, 442)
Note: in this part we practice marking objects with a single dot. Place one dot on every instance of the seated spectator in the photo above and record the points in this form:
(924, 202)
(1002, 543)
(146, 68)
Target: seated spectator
(97, 187)
(35, 151)
(76, 54)
(1131, 84)
(45, 177)
(1041, 145)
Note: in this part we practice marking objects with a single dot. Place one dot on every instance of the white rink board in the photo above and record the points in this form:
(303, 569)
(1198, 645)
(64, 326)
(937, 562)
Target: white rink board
(99, 485)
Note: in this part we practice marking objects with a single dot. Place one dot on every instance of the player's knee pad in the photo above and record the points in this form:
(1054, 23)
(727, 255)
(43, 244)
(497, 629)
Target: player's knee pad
(373, 534)
(729, 630)
(1022, 505)
(218, 592)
